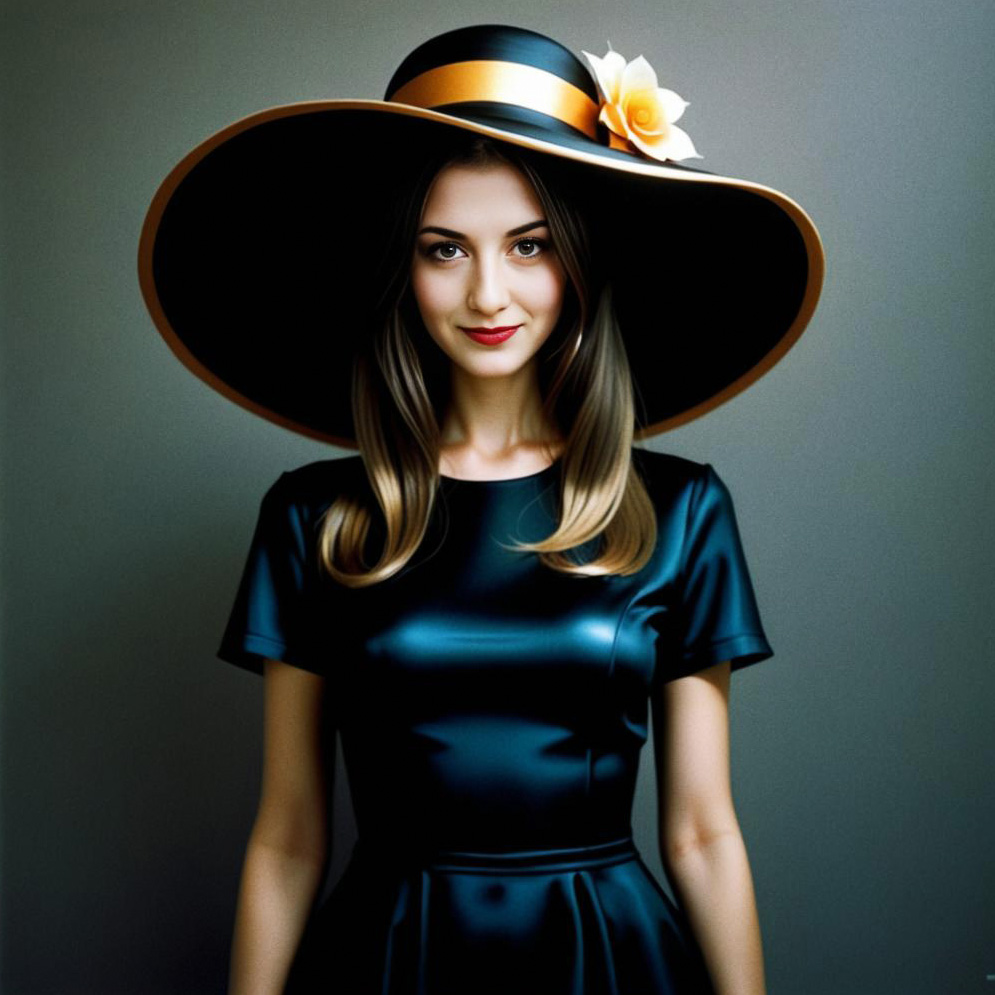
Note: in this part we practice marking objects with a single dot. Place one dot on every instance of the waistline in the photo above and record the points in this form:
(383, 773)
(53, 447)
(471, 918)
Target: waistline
(538, 861)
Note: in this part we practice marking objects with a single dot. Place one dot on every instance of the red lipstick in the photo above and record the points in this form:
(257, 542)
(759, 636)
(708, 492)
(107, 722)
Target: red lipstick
(491, 336)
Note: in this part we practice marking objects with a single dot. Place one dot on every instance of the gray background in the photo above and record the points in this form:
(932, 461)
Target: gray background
(861, 469)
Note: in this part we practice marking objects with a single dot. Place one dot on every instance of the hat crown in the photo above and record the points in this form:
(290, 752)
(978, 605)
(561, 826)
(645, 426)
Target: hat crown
(500, 74)
(494, 43)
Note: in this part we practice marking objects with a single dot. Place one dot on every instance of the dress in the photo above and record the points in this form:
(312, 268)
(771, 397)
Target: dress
(492, 714)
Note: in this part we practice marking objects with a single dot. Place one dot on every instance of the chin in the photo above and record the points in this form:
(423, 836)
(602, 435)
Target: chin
(493, 367)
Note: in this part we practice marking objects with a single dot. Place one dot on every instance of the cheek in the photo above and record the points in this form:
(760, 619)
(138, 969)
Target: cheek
(432, 292)
(547, 291)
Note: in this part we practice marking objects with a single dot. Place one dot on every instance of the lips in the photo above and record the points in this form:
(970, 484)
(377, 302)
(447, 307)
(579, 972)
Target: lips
(491, 336)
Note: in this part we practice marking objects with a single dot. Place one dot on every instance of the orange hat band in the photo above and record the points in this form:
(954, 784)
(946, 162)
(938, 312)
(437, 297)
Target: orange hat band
(484, 80)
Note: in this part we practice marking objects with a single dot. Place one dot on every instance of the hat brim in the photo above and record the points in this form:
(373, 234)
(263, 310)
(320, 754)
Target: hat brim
(257, 260)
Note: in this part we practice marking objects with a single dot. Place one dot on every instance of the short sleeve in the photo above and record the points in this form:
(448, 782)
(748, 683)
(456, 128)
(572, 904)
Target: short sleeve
(271, 616)
(717, 614)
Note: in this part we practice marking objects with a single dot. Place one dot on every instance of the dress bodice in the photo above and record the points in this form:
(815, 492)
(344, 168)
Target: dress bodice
(484, 700)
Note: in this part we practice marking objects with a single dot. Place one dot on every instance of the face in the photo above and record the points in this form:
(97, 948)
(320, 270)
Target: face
(487, 281)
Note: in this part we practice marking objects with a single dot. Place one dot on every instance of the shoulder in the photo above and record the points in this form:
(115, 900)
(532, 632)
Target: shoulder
(666, 465)
(690, 498)
(674, 478)
(312, 487)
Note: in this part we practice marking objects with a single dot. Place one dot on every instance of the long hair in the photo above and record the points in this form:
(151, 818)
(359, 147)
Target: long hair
(401, 388)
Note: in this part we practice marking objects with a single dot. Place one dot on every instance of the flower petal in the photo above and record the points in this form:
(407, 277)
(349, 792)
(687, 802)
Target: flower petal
(653, 151)
(638, 75)
(673, 105)
(608, 72)
(613, 118)
(628, 131)
(681, 145)
(676, 146)
(614, 63)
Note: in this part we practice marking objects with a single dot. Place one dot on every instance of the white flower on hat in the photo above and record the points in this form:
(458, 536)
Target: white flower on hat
(636, 108)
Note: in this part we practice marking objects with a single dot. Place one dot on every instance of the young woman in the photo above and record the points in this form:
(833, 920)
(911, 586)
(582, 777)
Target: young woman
(484, 601)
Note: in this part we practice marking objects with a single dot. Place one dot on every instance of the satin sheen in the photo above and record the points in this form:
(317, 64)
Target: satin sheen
(492, 714)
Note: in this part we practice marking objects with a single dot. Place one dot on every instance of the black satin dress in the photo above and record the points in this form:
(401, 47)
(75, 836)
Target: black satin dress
(492, 714)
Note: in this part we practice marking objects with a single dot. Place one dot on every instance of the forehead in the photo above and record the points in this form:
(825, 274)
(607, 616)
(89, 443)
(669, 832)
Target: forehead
(480, 198)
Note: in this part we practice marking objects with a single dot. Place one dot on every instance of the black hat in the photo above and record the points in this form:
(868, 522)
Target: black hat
(255, 255)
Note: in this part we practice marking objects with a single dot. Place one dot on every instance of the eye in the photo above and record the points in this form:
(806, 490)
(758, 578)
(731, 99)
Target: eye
(530, 248)
(443, 251)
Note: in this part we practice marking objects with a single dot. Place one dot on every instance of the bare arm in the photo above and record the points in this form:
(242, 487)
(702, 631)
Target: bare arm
(701, 844)
(286, 851)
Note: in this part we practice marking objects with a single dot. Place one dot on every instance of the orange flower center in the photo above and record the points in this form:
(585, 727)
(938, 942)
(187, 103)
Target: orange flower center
(643, 112)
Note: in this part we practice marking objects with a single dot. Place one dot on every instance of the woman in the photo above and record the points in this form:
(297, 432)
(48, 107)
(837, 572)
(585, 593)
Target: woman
(485, 599)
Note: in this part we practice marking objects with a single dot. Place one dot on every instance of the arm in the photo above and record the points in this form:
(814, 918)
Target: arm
(285, 855)
(701, 844)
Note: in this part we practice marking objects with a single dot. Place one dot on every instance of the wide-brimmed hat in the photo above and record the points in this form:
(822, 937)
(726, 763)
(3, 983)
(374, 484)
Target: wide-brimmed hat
(258, 253)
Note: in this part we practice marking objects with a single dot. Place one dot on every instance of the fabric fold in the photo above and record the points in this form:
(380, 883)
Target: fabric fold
(596, 972)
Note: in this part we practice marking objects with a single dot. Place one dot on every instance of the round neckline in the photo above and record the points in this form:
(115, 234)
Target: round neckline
(502, 480)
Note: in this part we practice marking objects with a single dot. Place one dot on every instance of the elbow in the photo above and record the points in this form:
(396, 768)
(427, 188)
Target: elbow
(677, 845)
(303, 838)
(301, 850)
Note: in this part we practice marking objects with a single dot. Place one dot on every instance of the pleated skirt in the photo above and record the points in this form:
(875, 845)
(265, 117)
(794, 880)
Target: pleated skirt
(586, 920)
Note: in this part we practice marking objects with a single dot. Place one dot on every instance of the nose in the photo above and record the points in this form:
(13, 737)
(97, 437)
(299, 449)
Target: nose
(488, 290)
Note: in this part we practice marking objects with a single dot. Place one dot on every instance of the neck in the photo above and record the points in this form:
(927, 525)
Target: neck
(497, 418)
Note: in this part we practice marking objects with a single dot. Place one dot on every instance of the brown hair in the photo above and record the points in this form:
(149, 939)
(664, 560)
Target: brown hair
(400, 391)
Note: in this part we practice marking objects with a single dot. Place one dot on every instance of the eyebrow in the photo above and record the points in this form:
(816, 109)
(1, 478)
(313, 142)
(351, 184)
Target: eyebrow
(449, 233)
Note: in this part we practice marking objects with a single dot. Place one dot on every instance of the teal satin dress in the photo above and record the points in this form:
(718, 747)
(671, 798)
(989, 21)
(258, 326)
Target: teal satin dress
(492, 714)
